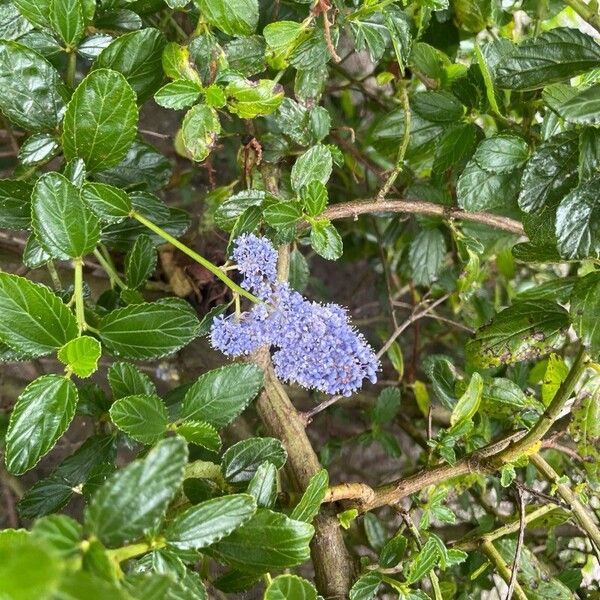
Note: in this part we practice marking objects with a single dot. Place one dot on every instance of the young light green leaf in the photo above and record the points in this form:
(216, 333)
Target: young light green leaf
(263, 486)
(585, 310)
(468, 403)
(309, 504)
(200, 433)
(15, 207)
(233, 18)
(250, 99)
(41, 415)
(32, 93)
(314, 198)
(63, 223)
(210, 521)
(126, 379)
(283, 36)
(314, 165)
(241, 460)
(101, 120)
(109, 203)
(199, 131)
(136, 498)
(143, 417)
(66, 18)
(290, 587)
(425, 560)
(140, 262)
(35, 321)
(220, 395)
(178, 94)
(326, 241)
(148, 330)
(81, 355)
(38, 149)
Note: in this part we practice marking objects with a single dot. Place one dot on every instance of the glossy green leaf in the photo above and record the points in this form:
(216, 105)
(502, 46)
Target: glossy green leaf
(140, 262)
(201, 434)
(283, 215)
(584, 107)
(101, 120)
(35, 320)
(455, 145)
(41, 415)
(290, 587)
(308, 506)
(556, 372)
(231, 209)
(524, 331)
(263, 485)
(250, 99)
(81, 355)
(468, 403)
(38, 149)
(142, 417)
(241, 460)
(15, 208)
(326, 241)
(59, 532)
(233, 18)
(314, 198)
(32, 93)
(136, 498)
(424, 562)
(283, 36)
(585, 309)
(501, 153)
(178, 94)
(126, 379)
(138, 57)
(437, 105)
(269, 541)
(426, 255)
(199, 131)
(498, 392)
(148, 330)
(66, 18)
(109, 203)
(314, 165)
(210, 521)
(552, 56)
(220, 395)
(366, 587)
(64, 225)
(37, 11)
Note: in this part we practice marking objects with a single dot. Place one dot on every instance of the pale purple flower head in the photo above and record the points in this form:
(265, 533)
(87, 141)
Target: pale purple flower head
(315, 345)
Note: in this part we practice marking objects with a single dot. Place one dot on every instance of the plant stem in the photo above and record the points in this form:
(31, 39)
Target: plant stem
(71, 68)
(498, 562)
(78, 295)
(586, 12)
(126, 552)
(56, 282)
(110, 270)
(216, 271)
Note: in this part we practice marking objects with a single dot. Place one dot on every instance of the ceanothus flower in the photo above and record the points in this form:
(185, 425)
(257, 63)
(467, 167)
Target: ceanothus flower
(315, 345)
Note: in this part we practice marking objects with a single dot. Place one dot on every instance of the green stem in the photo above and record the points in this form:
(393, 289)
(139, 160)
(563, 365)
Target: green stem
(126, 552)
(216, 271)
(503, 569)
(110, 270)
(56, 282)
(78, 295)
(71, 68)
(586, 12)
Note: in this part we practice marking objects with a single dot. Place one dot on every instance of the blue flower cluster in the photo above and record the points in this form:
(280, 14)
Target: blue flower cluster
(316, 346)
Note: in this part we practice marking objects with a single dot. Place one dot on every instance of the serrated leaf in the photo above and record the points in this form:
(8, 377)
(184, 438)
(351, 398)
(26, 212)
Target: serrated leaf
(140, 262)
(499, 392)
(64, 225)
(38, 149)
(66, 18)
(425, 560)
(501, 153)
(138, 57)
(109, 203)
(241, 460)
(233, 18)
(263, 486)
(283, 36)
(468, 403)
(437, 105)
(250, 99)
(15, 206)
(32, 93)
(283, 215)
(136, 498)
(220, 395)
(35, 320)
(393, 551)
(478, 189)
(148, 330)
(366, 587)
(290, 587)
(81, 355)
(41, 415)
(200, 433)
(36, 11)
(210, 521)
(314, 165)
(126, 379)
(199, 131)
(59, 532)
(178, 94)
(308, 506)
(553, 56)
(101, 120)
(585, 308)
(524, 331)
(426, 255)
(269, 541)
(556, 373)
(314, 198)
(143, 417)
(326, 241)
(583, 108)
(231, 209)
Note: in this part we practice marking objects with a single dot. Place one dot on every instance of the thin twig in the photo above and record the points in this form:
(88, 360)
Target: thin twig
(515, 566)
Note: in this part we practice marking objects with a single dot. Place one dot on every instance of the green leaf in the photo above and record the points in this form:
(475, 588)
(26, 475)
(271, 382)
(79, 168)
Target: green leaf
(241, 460)
(283, 215)
(250, 99)
(136, 498)
(233, 18)
(314, 165)
(585, 309)
(32, 93)
(138, 57)
(455, 145)
(584, 107)
(140, 262)
(290, 587)
(64, 225)
(269, 541)
(178, 64)
(36, 11)
(437, 105)
(127, 380)
(578, 222)
(550, 173)
(366, 587)
(81, 355)
(210, 521)
(101, 120)
(442, 374)
(308, 507)
(552, 56)
(263, 486)
(199, 131)
(325, 240)
(148, 330)
(178, 94)
(231, 209)
(220, 395)
(468, 403)
(109, 203)
(15, 207)
(283, 36)
(424, 562)
(501, 153)
(142, 417)
(393, 551)
(38, 149)
(387, 406)
(66, 18)
(499, 393)
(59, 532)
(314, 198)
(200, 433)
(524, 331)
(35, 321)
(426, 255)
(556, 373)
(41, 415)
